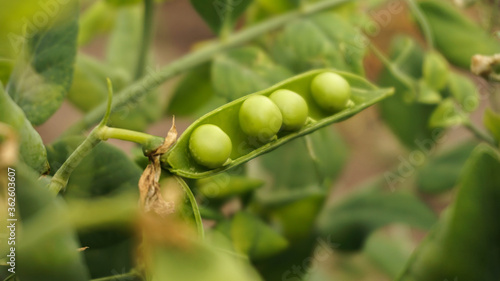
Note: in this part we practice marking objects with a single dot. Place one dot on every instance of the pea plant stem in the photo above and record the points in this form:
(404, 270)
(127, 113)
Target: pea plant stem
(61, 177)
(133, 93)
(194, 206)
(479, 133)
(422, 20)
(147, 36)
(127, 135)
(125, 276)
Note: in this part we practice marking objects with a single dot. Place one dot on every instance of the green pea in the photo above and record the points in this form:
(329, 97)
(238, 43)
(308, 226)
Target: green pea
(293, 109)
(259, 117)
(210, 146)
(330, 91)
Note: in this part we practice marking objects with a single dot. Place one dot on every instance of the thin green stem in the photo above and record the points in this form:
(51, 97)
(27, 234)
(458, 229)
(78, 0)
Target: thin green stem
(61, 177)
(125, 276)
(147, 37)
(481, 135)
(393, 69)
(153, 79)
(194, 206)
(10, 277)
(128, 135)
(314, 158)
(227, 25)
(426, 28)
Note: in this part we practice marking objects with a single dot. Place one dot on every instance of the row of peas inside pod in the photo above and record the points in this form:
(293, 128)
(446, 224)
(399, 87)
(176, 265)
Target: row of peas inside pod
(264, 117)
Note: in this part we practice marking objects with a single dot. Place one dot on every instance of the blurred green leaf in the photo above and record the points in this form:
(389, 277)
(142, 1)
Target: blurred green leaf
(387, 252)
(491, 121)
(209, 261)
(254, 238)
(243, 71)
(441, 173)
(89, 86)
(408, 121)
(38, 207)
(435, 70)
(351, 221)
(309, 161)
(6, 66)
(464, 245)
(427, 94)
(446, 115)
(464, 91)
(194, 94)
(321, 41)
(457, 37)
(105, 172)
(220, 14)
(32, 150)
(43, 74)
(97, 19)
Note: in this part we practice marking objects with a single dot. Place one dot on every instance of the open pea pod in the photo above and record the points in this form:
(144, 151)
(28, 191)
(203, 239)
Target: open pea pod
(180, 162)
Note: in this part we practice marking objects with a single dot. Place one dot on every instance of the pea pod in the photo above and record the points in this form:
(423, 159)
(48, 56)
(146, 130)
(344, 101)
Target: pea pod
(32, 150)
(179, 160)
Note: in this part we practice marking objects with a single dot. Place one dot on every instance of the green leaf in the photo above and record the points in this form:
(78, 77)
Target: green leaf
(180, 162)
(6, 66)
(243, 71)
(442, 171)
(127, 32)
(436, 71)
(89, 86)
(464, 91)
(321, 41)
(194, 94)
(43, 74)
(351, 221)
(119, 3)
(209, 261)
(491, 121)
(457, 37)
(37, 207)
(254, 238)
(388, 252)
(220, 14)
(446, 115)
(32, 151)
(97, 19)
(427, 94)
(105, 172)
(319, 157)
(408, 121)
(464, 245)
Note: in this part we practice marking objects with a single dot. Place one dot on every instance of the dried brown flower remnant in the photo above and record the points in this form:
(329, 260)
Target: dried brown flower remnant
(151, 199)
(484, 66)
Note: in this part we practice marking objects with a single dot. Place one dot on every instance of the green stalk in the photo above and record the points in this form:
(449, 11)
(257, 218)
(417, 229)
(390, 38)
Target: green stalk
(194, 206)
(153, 79)
(147, 36)
(128, 135)
(61, 177)
(426, 28)
(478, 133)
(126, 276)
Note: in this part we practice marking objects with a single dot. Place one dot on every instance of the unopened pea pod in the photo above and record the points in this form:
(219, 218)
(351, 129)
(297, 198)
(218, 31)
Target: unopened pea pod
(180, 161)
